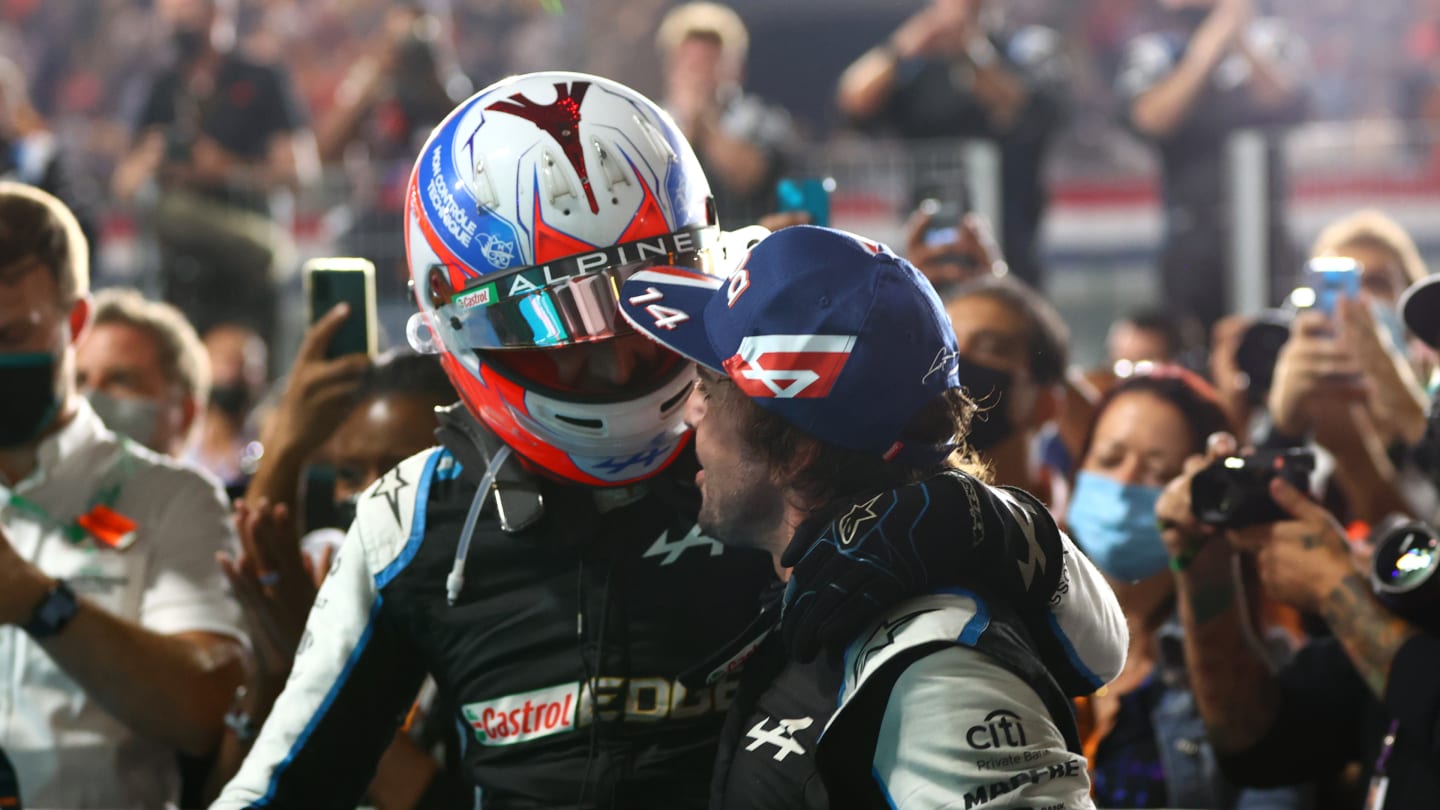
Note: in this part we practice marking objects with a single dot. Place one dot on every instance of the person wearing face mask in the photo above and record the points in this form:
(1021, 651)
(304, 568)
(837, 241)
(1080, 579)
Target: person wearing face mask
(143, 370)
(1145, 741)
(216, 134)
(118, 640)
(1013, 355)
(228, 446)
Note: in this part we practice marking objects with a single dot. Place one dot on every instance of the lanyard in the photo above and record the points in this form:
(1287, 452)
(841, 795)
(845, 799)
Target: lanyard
(1379, 782)
(1386, 747)
(71, 531)
(113, 529)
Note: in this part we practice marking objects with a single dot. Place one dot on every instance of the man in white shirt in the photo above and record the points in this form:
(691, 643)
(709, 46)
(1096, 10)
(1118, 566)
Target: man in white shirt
(119, 645)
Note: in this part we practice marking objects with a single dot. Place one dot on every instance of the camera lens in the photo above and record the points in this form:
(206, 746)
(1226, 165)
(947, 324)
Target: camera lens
(1407, 559)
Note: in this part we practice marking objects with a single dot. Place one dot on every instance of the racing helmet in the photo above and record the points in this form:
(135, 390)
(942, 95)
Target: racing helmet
(528, 207)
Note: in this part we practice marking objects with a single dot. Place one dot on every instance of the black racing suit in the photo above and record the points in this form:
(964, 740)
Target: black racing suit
(611, 587)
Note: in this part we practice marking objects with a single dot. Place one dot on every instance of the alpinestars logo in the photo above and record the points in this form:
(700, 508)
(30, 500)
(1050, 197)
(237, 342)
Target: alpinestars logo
(789, 366)
(390, 486)
(1034, 554)
(782, 736)
(848, 527)
(560, 119)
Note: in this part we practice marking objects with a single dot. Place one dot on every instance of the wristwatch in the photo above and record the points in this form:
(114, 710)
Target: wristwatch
(53, 613)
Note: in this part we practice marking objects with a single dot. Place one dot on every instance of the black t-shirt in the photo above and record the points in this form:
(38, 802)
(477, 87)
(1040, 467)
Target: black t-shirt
(1193, 157)
(1328, 718)
(934, 98)
(250, 104)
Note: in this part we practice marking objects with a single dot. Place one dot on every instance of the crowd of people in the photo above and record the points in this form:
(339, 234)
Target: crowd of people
(657, 509)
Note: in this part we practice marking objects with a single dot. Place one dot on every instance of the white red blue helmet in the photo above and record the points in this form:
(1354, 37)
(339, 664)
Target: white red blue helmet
(528, 207)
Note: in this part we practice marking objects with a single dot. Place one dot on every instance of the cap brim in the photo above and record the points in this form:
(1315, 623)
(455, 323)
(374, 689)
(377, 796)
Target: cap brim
(1420, 307)
(667, 304)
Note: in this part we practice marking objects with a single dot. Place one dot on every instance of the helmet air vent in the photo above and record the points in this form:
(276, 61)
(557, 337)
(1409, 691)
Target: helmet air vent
(592, 424)
(657, 141)
(609, 167)
(482, 187)
(557, 183)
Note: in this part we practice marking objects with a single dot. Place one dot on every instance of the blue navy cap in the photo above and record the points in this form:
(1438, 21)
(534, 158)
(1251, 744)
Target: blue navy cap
(832, 332)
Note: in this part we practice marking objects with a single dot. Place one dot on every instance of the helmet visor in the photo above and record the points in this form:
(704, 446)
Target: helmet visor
(568, 302)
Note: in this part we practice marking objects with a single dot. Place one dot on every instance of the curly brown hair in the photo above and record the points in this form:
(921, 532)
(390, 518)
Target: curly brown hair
(821, 473)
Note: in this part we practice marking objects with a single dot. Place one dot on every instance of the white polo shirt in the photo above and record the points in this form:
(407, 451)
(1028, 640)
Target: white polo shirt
(67, 751)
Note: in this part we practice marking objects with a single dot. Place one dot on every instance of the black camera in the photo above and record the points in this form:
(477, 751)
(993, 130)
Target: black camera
(1402, 574)
(1234, 492)
(1259, 349)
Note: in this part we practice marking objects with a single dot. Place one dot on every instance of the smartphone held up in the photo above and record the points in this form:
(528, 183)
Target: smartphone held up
(810, 195)
(330, 281)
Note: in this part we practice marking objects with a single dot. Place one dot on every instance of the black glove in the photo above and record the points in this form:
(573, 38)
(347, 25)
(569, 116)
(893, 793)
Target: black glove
(947, 531)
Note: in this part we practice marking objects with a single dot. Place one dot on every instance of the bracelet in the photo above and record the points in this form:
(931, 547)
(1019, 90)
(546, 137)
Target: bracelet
(238, 719)
(1181, 561)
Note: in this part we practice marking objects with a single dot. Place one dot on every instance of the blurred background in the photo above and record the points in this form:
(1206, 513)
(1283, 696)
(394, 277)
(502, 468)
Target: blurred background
(1369, 137)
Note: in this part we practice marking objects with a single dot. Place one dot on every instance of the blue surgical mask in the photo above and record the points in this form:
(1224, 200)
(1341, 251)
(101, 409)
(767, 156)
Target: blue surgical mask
(1115, 525)
(1388, 317)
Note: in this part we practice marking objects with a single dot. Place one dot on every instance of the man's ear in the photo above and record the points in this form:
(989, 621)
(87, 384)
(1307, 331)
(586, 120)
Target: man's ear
(80, 317)
(190, 410)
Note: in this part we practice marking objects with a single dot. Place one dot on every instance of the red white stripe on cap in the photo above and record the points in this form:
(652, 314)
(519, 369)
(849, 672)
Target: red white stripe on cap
(789, 366)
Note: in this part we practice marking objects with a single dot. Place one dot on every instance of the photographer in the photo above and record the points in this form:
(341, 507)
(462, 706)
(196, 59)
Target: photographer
(1367, 695)
(391, 97)
(1214, 70)
(954, 69)
(1329, 386)
(217, 133)
(1143, 736)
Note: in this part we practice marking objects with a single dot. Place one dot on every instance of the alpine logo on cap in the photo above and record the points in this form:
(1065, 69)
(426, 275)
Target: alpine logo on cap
(789, 366)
